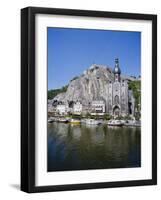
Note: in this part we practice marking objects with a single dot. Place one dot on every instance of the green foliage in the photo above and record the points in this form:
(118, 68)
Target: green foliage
(135, 86)
(94, 116)
(137, 116)
(74, 116)
(87, 115)
(127, 117)
(119, 118)
(53, 93)
(97, 116)
(107, 117)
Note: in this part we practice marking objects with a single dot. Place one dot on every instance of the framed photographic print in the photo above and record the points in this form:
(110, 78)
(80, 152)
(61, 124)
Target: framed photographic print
(88, 99)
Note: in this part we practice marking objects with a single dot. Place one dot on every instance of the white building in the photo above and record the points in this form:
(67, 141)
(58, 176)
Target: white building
(77, 108)
(98, 107)
(61, 109)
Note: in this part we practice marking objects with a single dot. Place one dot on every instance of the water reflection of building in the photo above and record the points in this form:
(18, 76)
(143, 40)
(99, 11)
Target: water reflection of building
(82, 148)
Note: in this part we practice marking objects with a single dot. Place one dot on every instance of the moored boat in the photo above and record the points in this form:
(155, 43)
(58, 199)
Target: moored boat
(115, 123)
(50, 120)
(64, 120)
(92, 122)
(133, 123)
(74, 121)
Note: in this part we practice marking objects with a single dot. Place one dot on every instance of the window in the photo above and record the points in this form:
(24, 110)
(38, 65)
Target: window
(116, 99)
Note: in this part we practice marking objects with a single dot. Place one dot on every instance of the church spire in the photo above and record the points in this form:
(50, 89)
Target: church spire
(117, 71)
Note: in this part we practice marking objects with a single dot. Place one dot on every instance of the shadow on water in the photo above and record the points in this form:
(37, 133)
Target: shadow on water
(82, 147)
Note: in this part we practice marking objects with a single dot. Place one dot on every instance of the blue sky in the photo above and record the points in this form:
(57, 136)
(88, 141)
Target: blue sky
(71, 51)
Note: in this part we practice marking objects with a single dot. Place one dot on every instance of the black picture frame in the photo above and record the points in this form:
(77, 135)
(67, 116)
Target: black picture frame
(28, 98)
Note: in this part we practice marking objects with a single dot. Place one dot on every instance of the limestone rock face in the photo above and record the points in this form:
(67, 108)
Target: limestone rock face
(91, 85)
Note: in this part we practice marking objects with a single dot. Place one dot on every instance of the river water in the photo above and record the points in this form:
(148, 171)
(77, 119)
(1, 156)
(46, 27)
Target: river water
(82, 147)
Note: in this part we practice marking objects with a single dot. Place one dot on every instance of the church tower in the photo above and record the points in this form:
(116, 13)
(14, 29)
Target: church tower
(119, 98)
(117, 71)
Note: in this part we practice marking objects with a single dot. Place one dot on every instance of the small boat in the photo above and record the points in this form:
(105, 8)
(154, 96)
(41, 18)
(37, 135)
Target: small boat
(62, 120)
(74, 121)
(50, 120)
(115, 123)
(92, 122)
(133, 123)
(83, 121)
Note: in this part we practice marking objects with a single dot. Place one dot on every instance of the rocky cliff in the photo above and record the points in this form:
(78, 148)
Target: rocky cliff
(91, 85)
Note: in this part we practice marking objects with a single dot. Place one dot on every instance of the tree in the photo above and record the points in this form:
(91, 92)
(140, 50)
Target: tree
(87, 115)
(135, 86)
(55, 92)
(107, 117)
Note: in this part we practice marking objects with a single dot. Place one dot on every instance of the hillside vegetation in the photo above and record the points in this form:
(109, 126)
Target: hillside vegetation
(55, 92)
(135, 86)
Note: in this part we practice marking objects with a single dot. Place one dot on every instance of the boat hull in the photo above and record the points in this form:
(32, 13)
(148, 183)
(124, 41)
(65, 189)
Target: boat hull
(73, 121)
(115, 125)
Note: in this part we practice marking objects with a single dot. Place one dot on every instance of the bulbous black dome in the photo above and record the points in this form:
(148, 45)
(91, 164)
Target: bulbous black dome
(117, 69)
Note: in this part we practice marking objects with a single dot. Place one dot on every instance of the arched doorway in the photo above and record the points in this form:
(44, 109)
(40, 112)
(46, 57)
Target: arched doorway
(116, 111)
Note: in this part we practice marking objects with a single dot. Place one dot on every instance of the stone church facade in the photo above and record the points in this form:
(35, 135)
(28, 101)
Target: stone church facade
(120, 99)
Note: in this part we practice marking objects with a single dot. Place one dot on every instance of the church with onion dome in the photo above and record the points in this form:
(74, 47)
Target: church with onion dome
(120, 99)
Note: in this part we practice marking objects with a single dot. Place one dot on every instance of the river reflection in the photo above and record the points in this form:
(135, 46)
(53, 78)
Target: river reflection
(80, 147)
